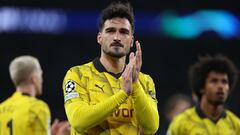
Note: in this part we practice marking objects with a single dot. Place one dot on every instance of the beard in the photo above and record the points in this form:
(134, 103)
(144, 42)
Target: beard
(216, 102)
(116, 52)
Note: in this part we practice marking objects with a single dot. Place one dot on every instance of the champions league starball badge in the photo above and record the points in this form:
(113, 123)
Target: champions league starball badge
(70, 86)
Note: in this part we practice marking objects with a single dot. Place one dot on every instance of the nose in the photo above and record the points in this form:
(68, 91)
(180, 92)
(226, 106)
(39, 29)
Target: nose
(221, 86)
(116, 37)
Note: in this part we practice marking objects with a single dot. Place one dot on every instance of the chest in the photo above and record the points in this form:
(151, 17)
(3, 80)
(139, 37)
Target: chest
(207, 127)
(102, 87)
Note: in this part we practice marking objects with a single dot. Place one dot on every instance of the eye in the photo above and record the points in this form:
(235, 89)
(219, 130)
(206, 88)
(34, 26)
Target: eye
(214, 80)
(225, 81)
(110, 30)
(124, 31)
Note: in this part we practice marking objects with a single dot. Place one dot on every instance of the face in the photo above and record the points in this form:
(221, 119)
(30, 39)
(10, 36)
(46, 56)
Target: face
(116, 37)
(216, 88)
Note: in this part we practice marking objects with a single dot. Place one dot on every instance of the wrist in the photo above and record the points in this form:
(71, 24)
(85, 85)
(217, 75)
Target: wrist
(126, 93)
(136, 84)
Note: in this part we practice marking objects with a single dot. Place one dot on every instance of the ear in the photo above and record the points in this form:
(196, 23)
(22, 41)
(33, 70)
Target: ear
(33, 79)
(202, 91)
(99, 38)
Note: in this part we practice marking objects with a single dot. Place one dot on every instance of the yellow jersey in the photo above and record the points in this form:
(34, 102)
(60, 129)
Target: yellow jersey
(96, 104)
(194, 122)
(24, 115)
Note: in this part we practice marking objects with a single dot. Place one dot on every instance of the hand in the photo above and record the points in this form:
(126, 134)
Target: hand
(60, 128)
(128, 74)
(138, 63)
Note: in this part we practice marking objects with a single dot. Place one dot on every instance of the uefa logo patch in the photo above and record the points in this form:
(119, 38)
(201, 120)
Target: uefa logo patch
(70, 86)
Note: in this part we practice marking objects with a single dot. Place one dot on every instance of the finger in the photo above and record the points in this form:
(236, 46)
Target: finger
(129, 66)
(56, 121)
(132, 60)
(66, 124)
(129, 69)
(126, 71)
(138, 56)
(55, 126)
(131, 57)
(139, 51)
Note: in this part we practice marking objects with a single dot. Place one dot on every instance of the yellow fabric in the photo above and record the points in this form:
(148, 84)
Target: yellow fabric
(24, 115)
(189, 123)
(98, 106)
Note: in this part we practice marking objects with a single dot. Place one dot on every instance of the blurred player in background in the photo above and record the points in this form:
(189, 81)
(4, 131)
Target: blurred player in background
(23, 113)
(211, 79)
(175, 105)
(107, 96)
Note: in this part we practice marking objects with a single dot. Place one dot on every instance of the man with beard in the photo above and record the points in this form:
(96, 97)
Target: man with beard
(211, 80)
(107, 96)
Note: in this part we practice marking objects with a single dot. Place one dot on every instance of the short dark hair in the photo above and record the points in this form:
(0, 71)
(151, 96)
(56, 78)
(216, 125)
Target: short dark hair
(117, 9)
(199, 71)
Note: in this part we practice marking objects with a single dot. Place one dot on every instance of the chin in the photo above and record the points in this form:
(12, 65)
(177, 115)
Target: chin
(117, 55)
(218, 102)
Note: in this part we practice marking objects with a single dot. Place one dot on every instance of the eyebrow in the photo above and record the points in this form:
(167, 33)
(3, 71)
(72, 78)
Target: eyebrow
(110, 28)
(125, 30)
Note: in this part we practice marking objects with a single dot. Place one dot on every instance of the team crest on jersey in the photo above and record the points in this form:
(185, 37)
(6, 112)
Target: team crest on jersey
(70, 87)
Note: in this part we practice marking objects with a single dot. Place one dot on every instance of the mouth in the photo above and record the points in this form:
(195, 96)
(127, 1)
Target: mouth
(116, 44)
(220, 94)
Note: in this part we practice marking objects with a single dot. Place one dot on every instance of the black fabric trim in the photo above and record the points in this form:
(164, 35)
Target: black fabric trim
(201, 114)
(98, 65)
(26, 94)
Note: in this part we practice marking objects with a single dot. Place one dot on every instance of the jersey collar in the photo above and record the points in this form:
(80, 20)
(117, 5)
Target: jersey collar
(98, 65)
(21, 93)
(202, 115)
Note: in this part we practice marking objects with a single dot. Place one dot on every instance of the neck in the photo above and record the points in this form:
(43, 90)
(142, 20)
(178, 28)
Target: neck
(28, 89)
(212, 111)
(113, 65)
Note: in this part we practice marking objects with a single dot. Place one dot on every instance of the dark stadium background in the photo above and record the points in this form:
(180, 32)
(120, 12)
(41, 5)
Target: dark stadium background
(166, 59)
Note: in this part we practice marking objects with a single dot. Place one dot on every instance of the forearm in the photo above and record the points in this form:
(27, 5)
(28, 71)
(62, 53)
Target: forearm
(83, 116)
(145, 105)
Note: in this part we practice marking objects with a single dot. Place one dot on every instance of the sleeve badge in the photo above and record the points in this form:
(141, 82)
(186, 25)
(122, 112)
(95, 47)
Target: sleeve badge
(70, 87)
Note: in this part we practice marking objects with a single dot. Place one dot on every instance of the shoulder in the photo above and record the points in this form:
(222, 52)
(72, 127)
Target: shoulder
(185, 117)
(39, 114)
(231, 114)
(38, 106)
(145, 78)
(81, 70)
(234, 118)
(186, 113)
(144, 75)
(146, 81)
(78, 74)
(182, 122)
